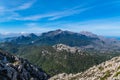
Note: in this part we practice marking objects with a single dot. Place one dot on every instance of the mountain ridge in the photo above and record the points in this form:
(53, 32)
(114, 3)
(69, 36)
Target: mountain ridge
(108, 70)
(86, 40)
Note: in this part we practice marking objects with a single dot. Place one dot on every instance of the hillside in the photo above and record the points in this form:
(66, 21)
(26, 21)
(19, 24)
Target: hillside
(61, 58)
(15, 68)
(109, 70)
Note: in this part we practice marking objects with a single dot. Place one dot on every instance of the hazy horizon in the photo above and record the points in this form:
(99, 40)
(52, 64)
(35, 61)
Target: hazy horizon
(9, 34)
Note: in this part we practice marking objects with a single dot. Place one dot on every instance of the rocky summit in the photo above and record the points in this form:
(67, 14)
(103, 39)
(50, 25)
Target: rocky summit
(109, 70)
(63, 47)
(15, 68)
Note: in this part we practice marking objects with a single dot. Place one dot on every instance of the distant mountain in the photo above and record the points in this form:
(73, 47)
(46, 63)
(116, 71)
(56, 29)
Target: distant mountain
(52, 38)
(109, 70)
(15, 68)
(114, 37)
(6, 35)
(86, 40)
(20, 38)
(25, 39)
(52, 33)
(9, 36)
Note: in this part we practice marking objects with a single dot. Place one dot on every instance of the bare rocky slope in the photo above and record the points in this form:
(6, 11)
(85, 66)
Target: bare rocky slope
(63, 47)
(109, 70)
(15, 68)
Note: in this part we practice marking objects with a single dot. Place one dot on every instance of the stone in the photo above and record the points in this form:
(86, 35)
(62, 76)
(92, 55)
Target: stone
(19, 69)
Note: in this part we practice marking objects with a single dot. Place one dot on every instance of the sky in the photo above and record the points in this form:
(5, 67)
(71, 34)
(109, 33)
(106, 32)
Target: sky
(101, 17)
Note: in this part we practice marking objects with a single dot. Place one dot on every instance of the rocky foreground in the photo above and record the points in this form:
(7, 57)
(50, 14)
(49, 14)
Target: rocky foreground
(15, 68)
(109, 70)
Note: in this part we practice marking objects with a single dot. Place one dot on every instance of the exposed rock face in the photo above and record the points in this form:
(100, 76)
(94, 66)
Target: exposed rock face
(109, 70)
(15, 68)
(61, 47)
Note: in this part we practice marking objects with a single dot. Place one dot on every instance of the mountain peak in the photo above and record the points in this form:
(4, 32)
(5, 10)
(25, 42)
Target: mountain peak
(52, 33)
(58, 30)
(32, 35)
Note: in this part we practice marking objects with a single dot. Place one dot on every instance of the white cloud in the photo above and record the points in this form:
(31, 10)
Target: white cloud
(14, 15)
(105, 27)
(8, 14)
(37, 28)
(55, 15)
(24, 6)
(69, 13)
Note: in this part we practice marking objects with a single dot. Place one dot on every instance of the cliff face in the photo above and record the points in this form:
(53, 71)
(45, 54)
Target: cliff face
(15, 68)
(109, 70)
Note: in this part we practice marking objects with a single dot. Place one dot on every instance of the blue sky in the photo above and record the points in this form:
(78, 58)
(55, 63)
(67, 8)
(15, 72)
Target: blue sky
(98, 16)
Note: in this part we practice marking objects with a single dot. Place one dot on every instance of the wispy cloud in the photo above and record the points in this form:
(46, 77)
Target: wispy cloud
(106, 27)
(69, 13)
(55, 15)
(64, 13)
(15, 15)
(98, 26)
(8, 14)
(24, 6)
(37, 28)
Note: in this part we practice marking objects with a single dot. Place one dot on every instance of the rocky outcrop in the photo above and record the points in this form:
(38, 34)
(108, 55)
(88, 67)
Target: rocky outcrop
(109, 70)
(63, 47)
(15, 68)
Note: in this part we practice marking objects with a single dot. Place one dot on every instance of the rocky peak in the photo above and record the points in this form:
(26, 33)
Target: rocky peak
(69, 32)
(52, 33)
(63, 47)
(32, 35)
(15, 68)
(58, 30)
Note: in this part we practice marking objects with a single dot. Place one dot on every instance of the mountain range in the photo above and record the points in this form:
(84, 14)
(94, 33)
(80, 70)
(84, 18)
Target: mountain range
(84, 40)
(61, 51)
